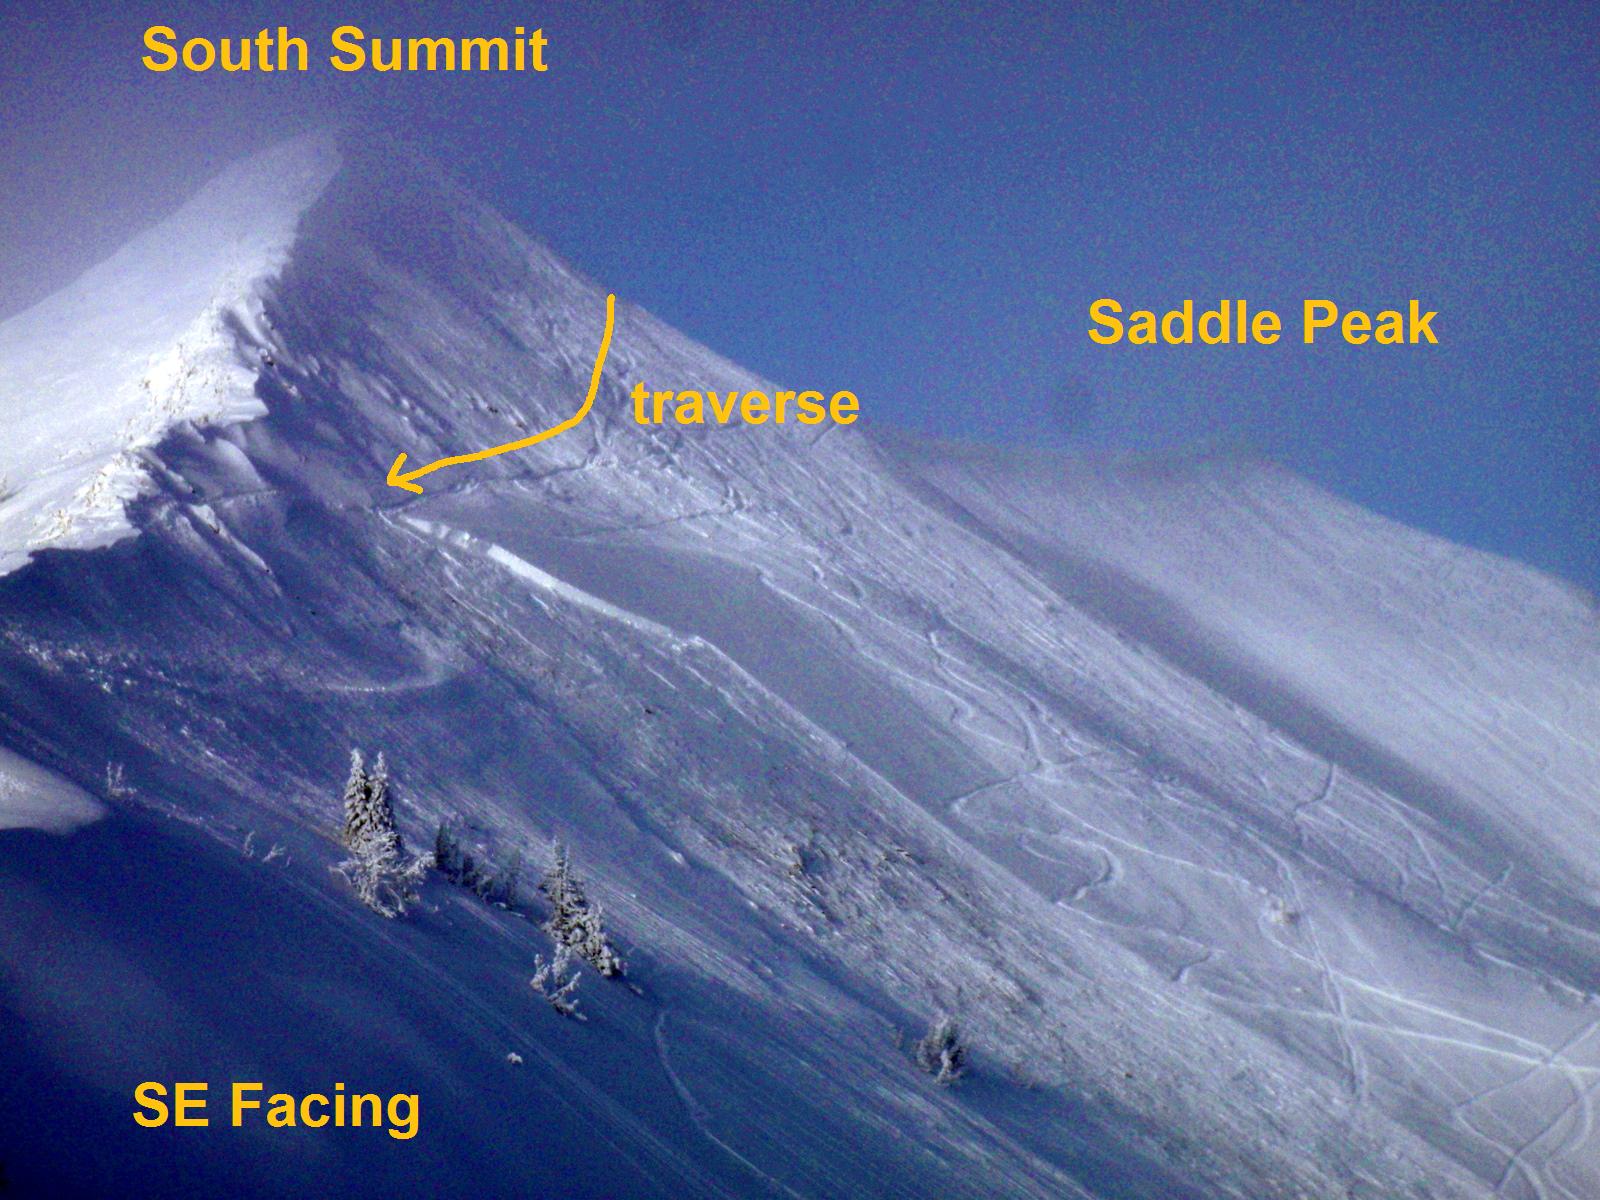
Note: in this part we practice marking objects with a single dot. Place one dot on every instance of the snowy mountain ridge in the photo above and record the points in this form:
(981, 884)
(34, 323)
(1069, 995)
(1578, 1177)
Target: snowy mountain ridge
(148, 339)
(1244, 833)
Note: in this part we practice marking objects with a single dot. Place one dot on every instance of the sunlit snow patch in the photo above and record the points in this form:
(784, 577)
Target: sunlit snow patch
(34, 798)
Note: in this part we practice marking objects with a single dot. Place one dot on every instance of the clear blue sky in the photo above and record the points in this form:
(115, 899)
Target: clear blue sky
(918, 202)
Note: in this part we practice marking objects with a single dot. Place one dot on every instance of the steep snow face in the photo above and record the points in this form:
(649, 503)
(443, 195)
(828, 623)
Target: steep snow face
(154, 336)
(1419, 655)
(1239, 829)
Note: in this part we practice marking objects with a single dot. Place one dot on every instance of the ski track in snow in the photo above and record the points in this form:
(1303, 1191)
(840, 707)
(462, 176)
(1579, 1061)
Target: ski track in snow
(702, 1119)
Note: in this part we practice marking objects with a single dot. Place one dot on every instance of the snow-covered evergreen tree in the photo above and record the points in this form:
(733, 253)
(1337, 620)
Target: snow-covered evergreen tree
(556, 981)
(385, 879)
(574, 922)
(384, 876)
(355, 798)
(367, 808)
(378, 792)
(941, 1054)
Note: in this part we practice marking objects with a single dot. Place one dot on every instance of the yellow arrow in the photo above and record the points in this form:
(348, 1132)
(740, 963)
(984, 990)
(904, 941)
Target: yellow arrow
(400, 479)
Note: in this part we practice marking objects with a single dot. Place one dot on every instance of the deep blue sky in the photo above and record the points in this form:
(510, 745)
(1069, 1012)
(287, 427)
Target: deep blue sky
(918, 202)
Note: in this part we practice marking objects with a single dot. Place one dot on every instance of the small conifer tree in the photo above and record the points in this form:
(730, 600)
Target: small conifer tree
(355, 799)
(384, 877)
(556, 981)
(379, 807)
(574, 922)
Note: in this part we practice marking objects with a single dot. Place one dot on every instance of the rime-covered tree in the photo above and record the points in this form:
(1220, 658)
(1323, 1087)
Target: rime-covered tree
(556, 981)
(367, 808)
(355, 799)
(378, 804)
(384, 876)
(574, 922)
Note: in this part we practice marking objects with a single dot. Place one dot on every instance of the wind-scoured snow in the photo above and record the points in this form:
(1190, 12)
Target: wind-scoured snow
(1245, 834)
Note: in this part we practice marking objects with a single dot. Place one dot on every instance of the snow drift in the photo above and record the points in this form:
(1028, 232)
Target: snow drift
(1246, 835)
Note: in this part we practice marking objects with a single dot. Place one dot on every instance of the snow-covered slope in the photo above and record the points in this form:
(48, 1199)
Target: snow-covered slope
(1242, 831)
